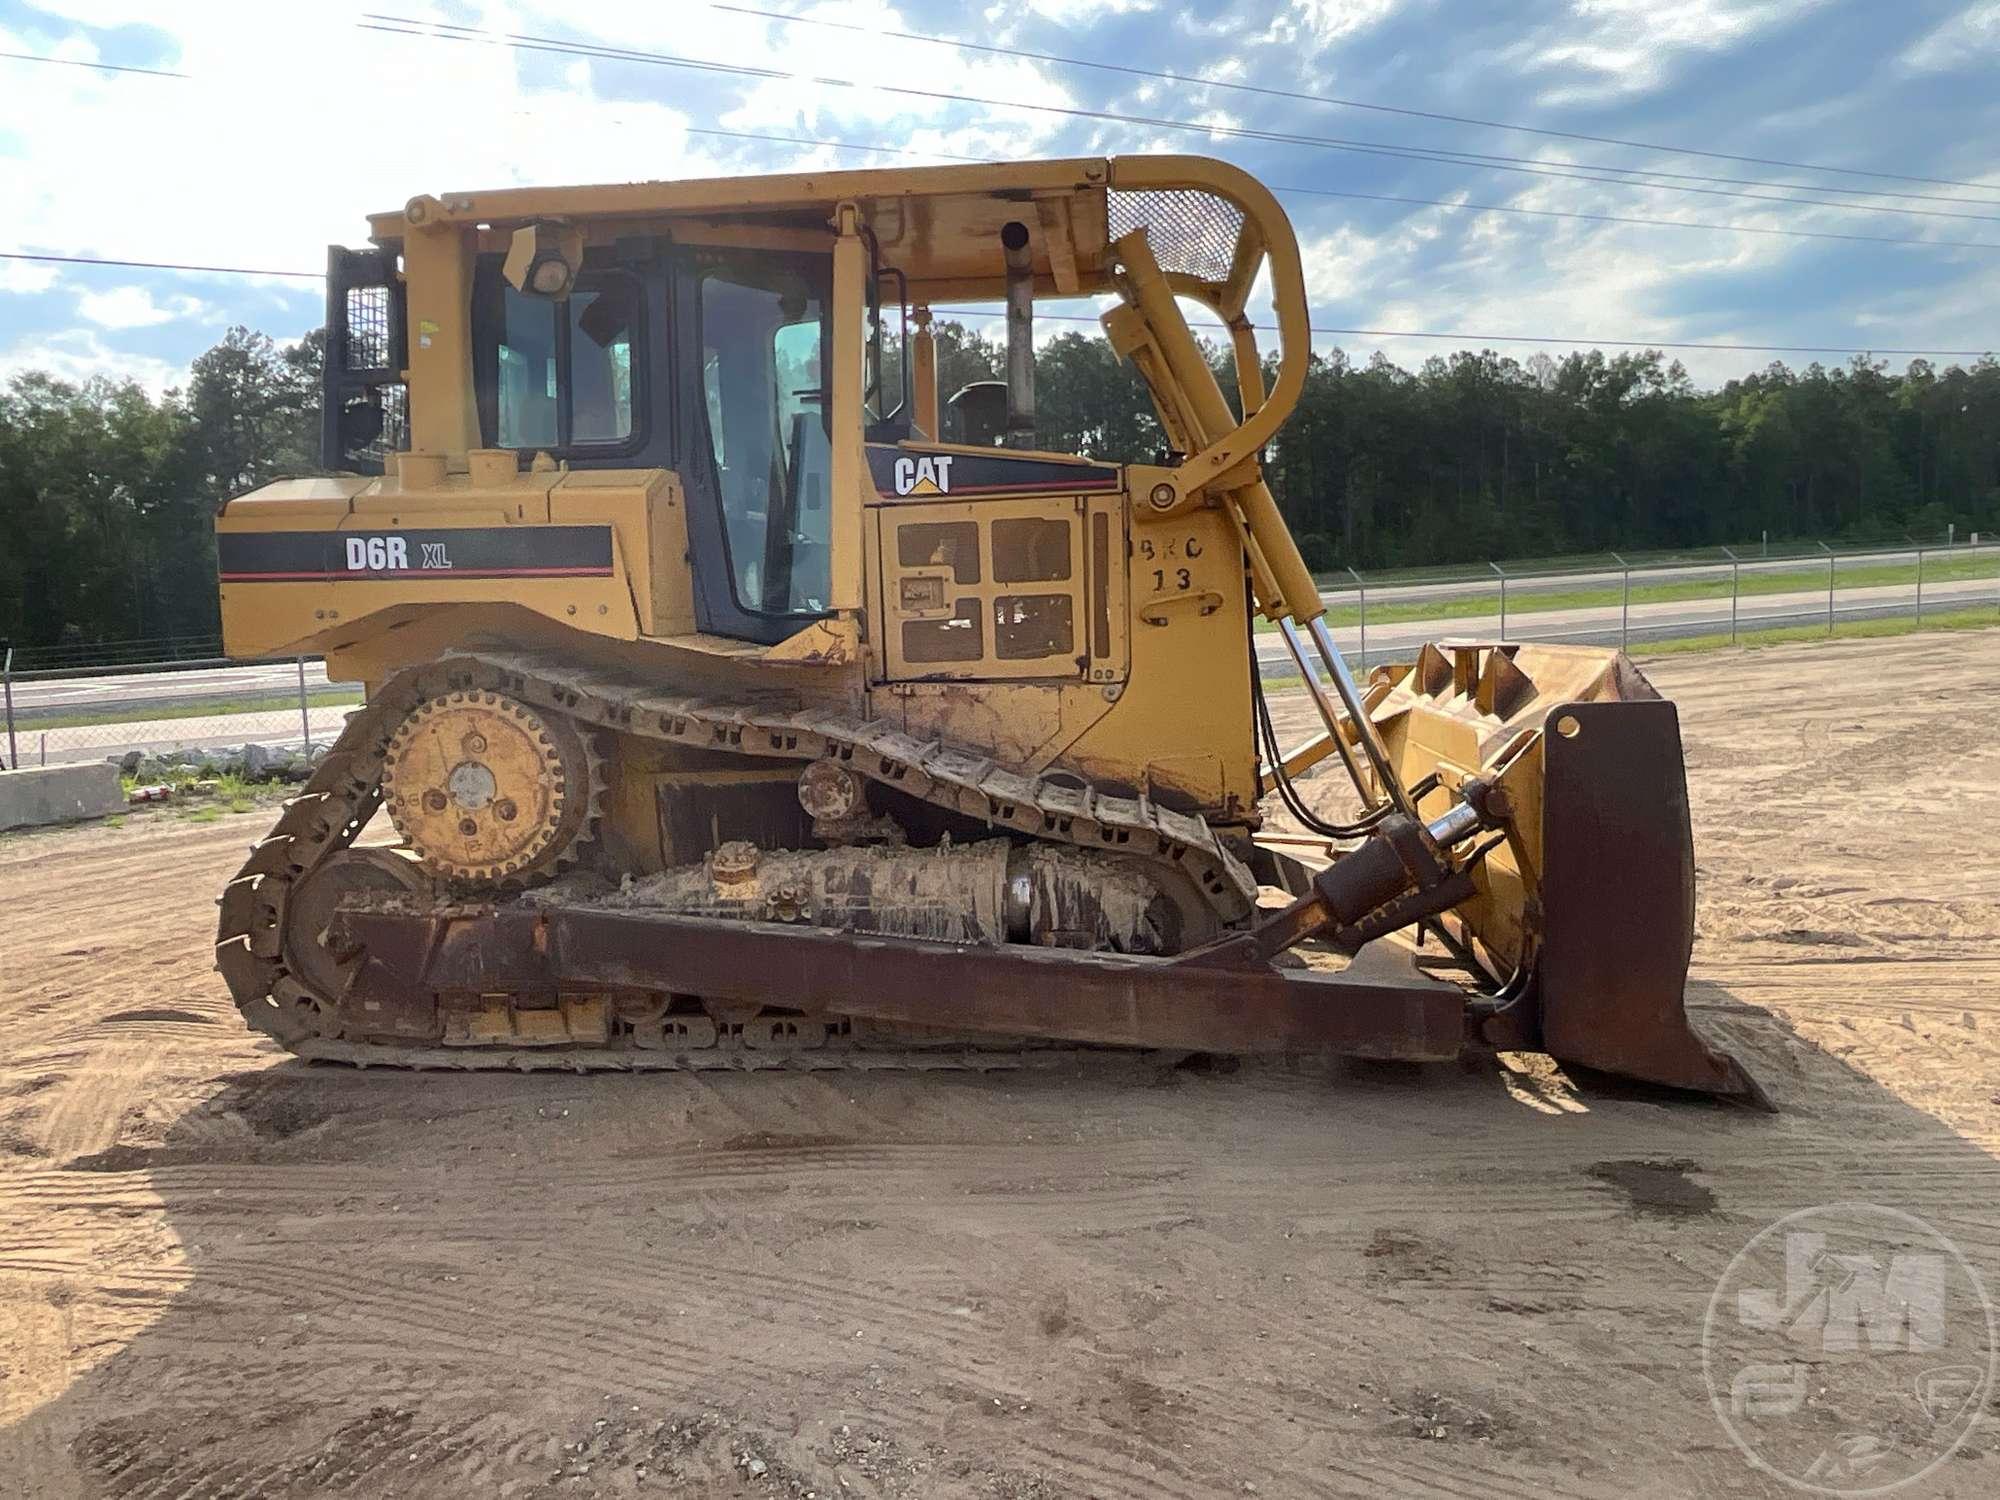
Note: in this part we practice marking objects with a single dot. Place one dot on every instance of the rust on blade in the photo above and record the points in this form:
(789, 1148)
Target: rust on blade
(1618, 900)
(1109, 999)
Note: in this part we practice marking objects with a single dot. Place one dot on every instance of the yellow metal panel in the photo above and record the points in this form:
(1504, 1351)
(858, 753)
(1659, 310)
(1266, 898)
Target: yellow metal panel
(1181, 726)
(644, 510)
(438, 276)
(834, 642)
(286, 504)
(283, 618)
(847, 478)
(449, 505)
(1107, 589)
(932, 223)
(1025, 726)
(926, 600)
(923, 374)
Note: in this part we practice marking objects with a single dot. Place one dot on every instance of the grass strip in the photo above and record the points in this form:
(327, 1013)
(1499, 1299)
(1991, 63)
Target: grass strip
(213, 708)
(1524, 599)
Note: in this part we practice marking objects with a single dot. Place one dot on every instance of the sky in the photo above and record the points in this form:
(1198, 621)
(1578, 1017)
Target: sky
(294, 121)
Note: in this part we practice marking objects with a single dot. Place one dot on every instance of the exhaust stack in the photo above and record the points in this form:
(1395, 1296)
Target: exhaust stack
(1020, 335)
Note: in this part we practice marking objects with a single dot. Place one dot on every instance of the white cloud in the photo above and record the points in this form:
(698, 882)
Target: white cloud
(1495, 274)
(1318, 24)
(1619, 49)
(1970, 39)
(877, 66)
(1071, 13)
(134, 307)
(27, 277)
(320, 122)
(80, 354)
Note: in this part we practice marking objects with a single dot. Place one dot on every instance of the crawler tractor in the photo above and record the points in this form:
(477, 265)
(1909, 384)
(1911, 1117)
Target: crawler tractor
(737, 701)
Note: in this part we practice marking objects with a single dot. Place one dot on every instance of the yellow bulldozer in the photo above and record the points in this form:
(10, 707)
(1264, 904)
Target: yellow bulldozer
(737, 701)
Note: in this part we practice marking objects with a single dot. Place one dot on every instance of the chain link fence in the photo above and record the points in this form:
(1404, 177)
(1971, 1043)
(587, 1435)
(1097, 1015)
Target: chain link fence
(1728, 594)
(155, 706)
(179, 702)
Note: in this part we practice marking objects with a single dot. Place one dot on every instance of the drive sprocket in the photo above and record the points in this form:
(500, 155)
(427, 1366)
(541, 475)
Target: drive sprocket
(486, 790)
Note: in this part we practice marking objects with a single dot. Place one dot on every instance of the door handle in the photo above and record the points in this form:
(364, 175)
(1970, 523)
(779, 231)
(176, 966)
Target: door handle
(1156, 611)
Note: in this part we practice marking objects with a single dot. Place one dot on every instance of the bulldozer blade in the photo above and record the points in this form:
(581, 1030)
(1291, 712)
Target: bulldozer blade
(1015, 991)
(1618, 901)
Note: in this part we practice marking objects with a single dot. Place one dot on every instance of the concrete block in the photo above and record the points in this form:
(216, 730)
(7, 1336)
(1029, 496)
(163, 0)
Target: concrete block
(59, 794)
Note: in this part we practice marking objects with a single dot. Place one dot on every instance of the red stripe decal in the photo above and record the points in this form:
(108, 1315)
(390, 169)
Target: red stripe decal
(1068, 485)
(443, 573)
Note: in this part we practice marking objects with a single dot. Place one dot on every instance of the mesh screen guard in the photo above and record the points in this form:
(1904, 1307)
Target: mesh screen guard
(1192, 232)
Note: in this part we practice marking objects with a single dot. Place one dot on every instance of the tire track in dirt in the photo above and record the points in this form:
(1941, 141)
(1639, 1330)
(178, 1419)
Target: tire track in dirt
(251, 1230)
(351, 1459)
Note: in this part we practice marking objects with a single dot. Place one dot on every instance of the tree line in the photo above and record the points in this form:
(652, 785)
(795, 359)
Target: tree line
(1478, 455)
(107, 493)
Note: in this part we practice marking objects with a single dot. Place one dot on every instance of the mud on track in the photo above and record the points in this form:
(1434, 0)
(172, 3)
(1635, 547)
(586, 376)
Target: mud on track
(223, 1273)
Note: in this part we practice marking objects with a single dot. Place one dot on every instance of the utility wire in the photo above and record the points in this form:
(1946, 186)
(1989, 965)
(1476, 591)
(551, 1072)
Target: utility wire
(1515, 338)
(157, 265)
(1559, 213)
(71, 62)
(1502, 208)
(1306, 98)
(1272, 93)
(1486, 208)
(444, 31)
(974, 312)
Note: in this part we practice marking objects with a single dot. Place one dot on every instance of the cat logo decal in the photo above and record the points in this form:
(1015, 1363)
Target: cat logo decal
(928, 475)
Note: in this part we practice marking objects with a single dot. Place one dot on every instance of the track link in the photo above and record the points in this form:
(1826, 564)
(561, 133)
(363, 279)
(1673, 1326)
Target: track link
(346, 789)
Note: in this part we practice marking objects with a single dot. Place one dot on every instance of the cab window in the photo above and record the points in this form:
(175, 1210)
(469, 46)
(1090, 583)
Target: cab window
(764, 398)
(559, 375)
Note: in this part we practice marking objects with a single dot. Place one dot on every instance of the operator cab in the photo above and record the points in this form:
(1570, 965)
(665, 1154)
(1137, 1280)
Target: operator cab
(765, 345)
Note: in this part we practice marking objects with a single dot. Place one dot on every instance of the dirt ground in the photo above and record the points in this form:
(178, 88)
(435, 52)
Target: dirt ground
(223, 1273)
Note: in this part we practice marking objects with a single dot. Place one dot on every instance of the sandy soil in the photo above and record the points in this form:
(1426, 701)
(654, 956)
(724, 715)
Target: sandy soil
(223, 1273)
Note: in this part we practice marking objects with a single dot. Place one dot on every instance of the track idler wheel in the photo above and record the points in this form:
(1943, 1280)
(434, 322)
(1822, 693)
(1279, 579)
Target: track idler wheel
(315, 962)
(486, 790)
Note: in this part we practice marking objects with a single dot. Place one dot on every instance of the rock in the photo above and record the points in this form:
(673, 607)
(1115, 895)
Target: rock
(258, 761)
(41, 795)
(756, 1466)
(129, 761)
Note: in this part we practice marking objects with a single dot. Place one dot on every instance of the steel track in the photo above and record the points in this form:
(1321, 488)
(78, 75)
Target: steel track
(346, 788)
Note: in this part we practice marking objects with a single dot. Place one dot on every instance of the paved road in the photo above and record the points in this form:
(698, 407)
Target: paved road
(1522, 584)
(145, 693)
(137, 690)
(1668, 620)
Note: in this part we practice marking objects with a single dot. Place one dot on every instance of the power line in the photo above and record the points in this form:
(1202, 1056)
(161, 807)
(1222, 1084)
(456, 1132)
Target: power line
(1297, 96)
(1415, 153)
(970, 312)
(1519, 338)
(1301, 97)
(71, 62)
(1313, 192)
(444, 31)
(156, 265)
(1533, 166)
(1488, 208)
(1558, 213)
